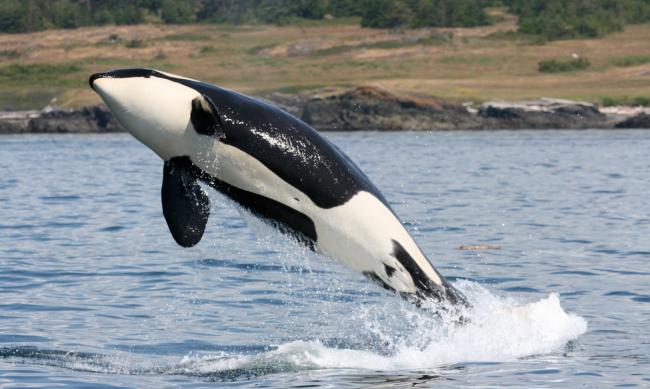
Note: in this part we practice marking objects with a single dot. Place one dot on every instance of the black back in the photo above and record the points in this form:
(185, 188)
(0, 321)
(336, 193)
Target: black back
(309, 162)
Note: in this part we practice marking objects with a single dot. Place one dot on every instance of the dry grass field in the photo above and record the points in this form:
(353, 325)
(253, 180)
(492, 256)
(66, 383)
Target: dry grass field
(468, 64)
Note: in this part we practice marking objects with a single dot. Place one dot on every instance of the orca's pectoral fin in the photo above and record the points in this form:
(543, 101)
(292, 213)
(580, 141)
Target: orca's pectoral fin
(185, 205)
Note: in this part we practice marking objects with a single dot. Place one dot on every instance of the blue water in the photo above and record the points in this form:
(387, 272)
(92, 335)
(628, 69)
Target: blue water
(95, 293)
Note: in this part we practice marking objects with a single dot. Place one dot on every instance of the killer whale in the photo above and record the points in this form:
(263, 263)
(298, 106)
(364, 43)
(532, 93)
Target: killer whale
(273, 165)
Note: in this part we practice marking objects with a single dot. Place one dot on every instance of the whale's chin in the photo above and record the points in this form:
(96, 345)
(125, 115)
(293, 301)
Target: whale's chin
(155, 111)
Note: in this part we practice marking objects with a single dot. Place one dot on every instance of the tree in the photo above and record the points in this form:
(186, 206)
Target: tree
(386, 14)
(12, 16)
(177, 12)
(551, 19)
(66, 14)
(558, 19)
(346, 7)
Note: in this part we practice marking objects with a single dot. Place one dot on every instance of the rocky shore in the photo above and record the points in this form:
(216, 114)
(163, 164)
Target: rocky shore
(371, 108)
(94, 119)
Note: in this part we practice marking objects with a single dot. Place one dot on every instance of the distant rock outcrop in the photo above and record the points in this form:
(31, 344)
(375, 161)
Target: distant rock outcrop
(15, 122)
(372, 108)
(641, 120)
(93, 119)
(87, 119)
(542, 114)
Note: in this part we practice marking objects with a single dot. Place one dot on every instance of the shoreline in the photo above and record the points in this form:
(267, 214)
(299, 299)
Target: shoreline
(369, 108)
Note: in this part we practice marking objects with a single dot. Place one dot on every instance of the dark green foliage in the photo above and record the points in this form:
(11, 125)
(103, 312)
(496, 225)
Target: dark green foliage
(176, 12)
(261, 11)
(127, 14)
(386, 14)
(423, 13)
(66, 14)
(12, 16)
(442, 13)
(549, 19)
(643, 101)
(557, 66)
(346, 7)
(560, 19)
(36, 15)
(635, 11)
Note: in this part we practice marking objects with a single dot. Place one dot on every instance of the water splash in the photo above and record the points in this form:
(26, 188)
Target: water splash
(399, 337)
(498, 329)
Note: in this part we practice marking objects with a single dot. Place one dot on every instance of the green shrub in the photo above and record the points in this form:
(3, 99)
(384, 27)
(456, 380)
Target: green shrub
(208, 49)
(643, 101)
(39, 71)
(609, 102)
(135, 44)
(10, 53)
(631, 60)
(187, 37)
(557, 66)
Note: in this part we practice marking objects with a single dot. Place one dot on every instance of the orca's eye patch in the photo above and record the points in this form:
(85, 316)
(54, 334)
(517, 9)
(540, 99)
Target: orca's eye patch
(205, 118)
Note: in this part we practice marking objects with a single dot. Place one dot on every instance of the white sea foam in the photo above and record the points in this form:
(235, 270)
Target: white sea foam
(495, 329)
(498, 329)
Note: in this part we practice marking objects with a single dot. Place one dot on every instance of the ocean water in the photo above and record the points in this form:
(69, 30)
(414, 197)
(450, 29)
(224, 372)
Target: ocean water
(95, 293)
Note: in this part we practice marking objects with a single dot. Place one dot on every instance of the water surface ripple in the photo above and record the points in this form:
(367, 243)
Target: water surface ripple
(95, 293)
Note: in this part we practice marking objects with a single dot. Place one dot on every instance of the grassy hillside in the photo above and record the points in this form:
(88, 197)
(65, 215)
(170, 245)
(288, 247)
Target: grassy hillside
(462, 64)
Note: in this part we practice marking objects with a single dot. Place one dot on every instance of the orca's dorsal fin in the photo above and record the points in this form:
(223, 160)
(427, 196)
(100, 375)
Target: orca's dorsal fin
(185, 205)
(205, 117)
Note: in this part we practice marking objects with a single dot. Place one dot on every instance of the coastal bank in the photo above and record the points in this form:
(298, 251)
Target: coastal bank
(369, 108)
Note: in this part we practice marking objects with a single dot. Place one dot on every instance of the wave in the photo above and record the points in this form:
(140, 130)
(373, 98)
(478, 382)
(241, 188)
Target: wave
(495, 329)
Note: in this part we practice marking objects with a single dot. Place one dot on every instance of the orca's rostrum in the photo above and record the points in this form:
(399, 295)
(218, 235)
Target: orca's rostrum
(272, 164)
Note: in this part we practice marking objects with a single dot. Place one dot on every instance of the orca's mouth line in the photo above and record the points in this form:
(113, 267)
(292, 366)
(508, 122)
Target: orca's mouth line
(123, 73)
(141, 72)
